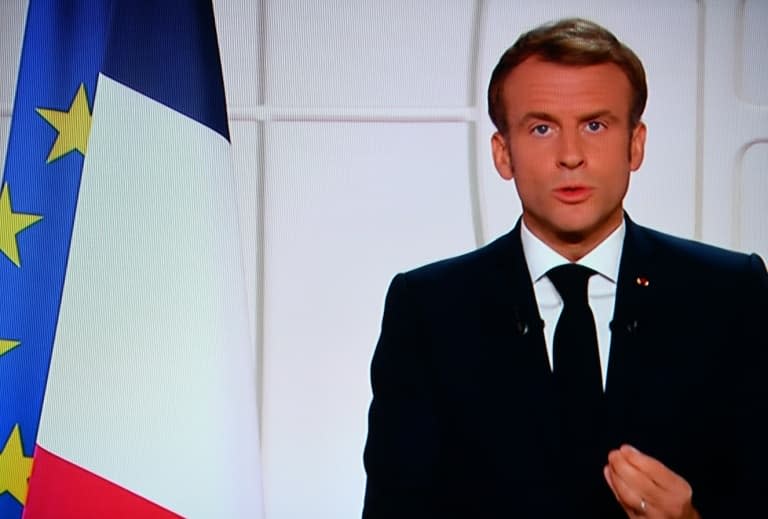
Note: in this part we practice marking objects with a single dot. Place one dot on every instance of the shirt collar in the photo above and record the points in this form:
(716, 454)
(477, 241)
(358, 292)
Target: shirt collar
(604, 259)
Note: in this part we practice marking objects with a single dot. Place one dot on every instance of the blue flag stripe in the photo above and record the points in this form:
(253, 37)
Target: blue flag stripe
(168, 51)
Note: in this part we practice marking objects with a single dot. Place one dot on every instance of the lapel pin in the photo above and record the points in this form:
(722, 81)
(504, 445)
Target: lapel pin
(642, 281)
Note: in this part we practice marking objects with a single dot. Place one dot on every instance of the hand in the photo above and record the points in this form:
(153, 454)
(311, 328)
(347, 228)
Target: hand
(646, 488)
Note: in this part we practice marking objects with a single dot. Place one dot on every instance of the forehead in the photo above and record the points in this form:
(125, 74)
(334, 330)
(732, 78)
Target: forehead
(561, 90)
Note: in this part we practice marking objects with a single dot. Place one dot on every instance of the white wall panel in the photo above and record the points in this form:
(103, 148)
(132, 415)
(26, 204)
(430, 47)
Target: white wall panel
(368, 52)
(245, 152)
(347, 206)
(752, 88)
(238, 24)
(753, 211)
(5, 127)
(13, 13)
(754, 69)
(664, 35)
(11, 32)
(731, 124)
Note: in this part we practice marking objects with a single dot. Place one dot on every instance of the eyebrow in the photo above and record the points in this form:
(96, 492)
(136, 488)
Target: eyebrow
(600, 114)
(544, 116)
(537, 115)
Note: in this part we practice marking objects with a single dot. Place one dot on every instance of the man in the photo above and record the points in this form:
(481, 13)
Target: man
(491, 398)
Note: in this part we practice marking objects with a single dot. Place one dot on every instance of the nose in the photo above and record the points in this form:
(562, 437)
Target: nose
(570, 153)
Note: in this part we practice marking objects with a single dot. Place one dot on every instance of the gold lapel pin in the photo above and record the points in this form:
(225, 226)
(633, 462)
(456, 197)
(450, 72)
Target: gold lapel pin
(642, 281)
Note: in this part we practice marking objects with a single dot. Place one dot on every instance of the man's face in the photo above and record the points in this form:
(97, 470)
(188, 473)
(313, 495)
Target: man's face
(569, 149)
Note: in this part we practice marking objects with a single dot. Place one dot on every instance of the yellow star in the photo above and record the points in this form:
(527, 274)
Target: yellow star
(73, 126)
(12, 224)
(15, 468)
(6, 346)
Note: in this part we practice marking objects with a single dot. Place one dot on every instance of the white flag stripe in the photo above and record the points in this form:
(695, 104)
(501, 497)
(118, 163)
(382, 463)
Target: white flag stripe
(152, 382)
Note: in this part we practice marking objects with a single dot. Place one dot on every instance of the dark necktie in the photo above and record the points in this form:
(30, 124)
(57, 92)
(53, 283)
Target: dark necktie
(576, 361)
(578, 385)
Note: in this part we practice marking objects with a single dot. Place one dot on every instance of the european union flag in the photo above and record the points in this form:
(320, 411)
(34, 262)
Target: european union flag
(62, 54)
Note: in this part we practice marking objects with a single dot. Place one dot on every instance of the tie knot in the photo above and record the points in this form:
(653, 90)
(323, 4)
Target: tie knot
(571, 282)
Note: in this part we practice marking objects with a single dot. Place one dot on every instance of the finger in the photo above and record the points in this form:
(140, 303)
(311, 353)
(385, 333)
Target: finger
(646, 464)
(631, 501)
(660, 474)
(633, 477)
(628, 510)
(607, 476)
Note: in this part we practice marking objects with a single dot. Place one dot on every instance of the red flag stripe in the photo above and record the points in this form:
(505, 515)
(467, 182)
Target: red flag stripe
(62, 490)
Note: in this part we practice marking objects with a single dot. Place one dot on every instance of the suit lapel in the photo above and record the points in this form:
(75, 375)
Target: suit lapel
(520, 327)
(522, 372)
(635, 293)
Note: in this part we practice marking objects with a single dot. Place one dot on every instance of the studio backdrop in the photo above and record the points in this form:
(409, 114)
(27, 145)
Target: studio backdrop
(361, 147)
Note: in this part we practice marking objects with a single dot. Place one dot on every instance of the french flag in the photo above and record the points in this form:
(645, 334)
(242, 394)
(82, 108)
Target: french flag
(128, 376)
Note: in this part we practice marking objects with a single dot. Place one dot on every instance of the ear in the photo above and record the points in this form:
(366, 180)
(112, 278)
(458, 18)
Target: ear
(501, 157)
(637, 146)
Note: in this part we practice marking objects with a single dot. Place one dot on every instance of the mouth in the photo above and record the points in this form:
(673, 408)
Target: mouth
(573, 194)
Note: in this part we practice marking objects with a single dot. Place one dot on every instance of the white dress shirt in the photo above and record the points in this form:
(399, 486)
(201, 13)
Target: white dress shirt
(601, 291)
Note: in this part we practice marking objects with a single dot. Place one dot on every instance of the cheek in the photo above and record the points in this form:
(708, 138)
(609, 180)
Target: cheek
(531, 188)
(612, 157)
(527, 161)
(533, 172)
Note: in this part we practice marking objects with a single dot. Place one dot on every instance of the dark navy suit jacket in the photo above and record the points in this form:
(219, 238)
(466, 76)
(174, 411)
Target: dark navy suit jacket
(463, 421)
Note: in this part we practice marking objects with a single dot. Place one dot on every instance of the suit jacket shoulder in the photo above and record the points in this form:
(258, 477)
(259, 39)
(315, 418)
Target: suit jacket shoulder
(503, 252)
(686, 255)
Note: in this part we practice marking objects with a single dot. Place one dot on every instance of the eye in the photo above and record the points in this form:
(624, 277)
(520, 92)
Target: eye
(541, 129)
(595, 126)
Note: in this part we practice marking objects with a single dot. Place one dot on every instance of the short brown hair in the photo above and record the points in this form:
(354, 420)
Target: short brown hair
(572, 41)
